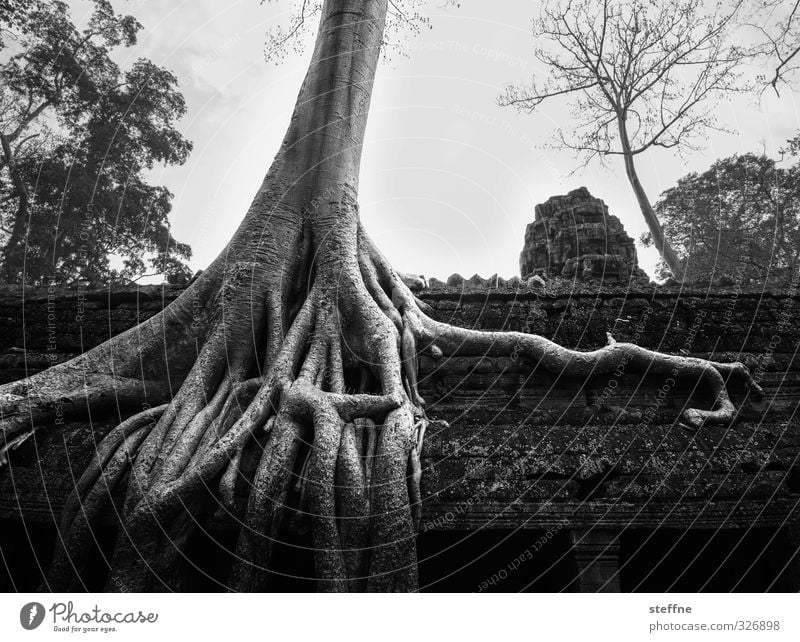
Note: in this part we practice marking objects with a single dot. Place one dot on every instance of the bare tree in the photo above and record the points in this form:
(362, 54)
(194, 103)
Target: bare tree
(297, 348)
(640, 75)
(777, 24)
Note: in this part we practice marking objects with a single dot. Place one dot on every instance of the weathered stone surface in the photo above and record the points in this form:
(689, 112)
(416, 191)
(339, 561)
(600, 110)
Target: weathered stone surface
(524, 448)
(574, 236)
(455, 280)
(475, 282)
(414, 282)
(535, 281)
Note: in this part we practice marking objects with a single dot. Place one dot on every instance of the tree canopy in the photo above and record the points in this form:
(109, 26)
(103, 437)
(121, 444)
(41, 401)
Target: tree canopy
(740, 218)
(287, 371)
(79, 134)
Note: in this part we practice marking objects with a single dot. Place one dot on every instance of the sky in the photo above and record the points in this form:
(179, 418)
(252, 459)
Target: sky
(449, 179)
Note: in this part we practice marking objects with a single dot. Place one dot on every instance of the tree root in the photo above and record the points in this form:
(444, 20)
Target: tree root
(264, 349)
(139, 366)
(335, 373)
(92, 492)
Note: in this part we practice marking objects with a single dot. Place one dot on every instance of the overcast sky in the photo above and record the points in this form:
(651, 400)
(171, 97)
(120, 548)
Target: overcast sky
(449, 180)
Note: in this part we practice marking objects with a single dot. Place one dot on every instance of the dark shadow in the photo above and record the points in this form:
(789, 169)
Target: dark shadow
(704, 561)
(462, 562)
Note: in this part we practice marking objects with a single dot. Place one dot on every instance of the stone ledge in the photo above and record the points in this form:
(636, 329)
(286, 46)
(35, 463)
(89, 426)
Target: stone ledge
(588, 461)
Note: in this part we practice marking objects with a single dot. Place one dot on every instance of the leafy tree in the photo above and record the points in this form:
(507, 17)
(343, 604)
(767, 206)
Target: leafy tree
(300, 332)
(12, 12)
(740, 218)
(78, 134)
(640, 75)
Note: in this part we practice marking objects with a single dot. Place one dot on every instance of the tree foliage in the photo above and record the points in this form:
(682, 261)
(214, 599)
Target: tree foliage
(79, 134)
(740, 218)
(12, 13)
(281, 386)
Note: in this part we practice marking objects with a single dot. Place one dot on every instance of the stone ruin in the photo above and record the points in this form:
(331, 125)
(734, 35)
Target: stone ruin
(625, 496)
(601, 468)
(574, 236)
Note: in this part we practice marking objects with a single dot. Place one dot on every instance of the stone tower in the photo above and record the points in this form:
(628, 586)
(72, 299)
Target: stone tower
(574, 236)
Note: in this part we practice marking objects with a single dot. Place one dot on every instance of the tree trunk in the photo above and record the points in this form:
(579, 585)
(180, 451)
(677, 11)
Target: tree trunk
(14, 251)
(298, 347)
(669, 256)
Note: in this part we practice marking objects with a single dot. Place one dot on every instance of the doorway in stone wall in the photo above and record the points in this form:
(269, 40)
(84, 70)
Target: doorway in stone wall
(724, 560)
(492, 561)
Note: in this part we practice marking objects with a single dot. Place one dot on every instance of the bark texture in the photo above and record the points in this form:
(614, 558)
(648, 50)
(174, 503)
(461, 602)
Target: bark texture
(663, 246)
(299, 343)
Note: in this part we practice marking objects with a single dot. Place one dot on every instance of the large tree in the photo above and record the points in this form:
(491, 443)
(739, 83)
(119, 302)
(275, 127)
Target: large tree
(12, 13)
(640, 75)
(78, 137)
(299, 343)
(739, 218)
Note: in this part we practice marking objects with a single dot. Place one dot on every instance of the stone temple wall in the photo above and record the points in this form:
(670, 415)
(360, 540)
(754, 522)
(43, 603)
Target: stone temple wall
(597, 462)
